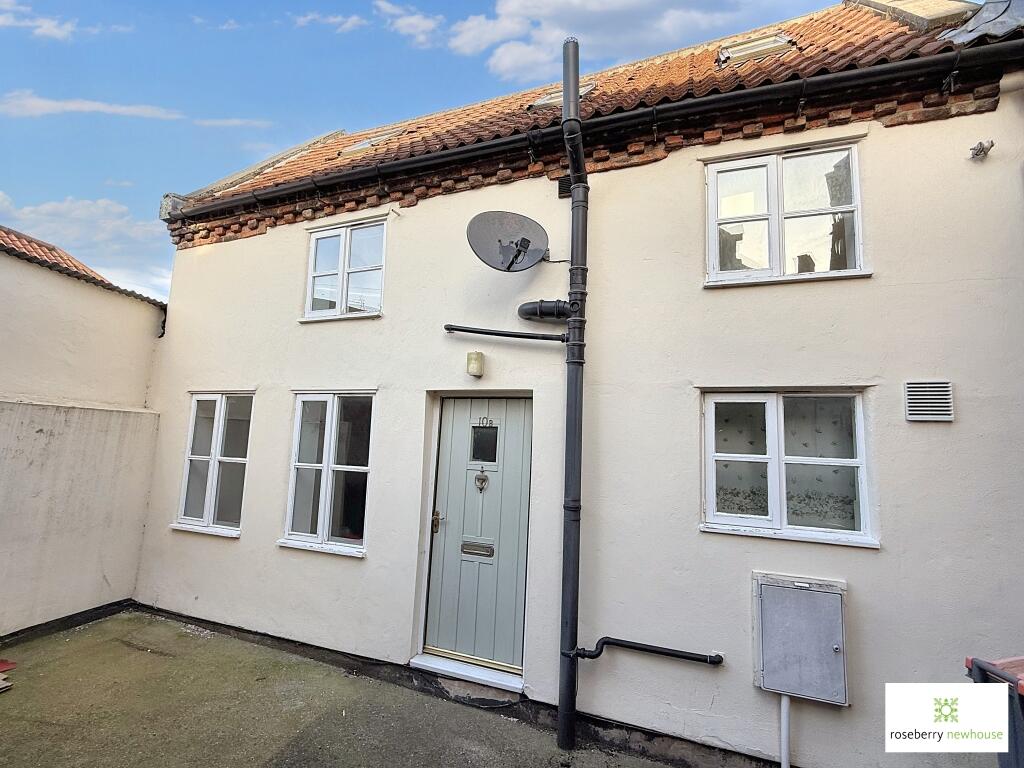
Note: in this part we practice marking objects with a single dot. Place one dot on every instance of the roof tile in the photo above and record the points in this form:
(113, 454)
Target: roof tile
(834, 39)
(12, 240)
(29, 248)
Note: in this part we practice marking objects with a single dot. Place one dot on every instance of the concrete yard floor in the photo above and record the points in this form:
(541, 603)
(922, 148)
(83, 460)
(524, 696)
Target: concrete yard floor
(139, 690)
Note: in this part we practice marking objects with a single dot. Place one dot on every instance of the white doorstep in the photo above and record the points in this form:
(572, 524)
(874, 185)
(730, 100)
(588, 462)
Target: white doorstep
(460, 670)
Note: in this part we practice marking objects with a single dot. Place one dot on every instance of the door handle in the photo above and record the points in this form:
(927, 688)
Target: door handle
(435, 521)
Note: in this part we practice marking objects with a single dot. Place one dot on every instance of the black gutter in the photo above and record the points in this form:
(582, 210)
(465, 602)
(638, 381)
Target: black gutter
(942, 63)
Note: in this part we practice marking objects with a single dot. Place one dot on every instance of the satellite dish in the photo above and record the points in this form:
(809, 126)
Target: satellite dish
(507, 242)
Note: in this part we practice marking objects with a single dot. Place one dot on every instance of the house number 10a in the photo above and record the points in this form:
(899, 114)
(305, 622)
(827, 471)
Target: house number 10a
(483, 421)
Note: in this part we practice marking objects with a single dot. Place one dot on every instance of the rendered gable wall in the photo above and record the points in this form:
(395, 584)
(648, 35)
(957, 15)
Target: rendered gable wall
(76, 442)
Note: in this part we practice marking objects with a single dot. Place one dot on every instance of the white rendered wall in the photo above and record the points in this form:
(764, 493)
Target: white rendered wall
(66, 341)
(76, 442)
(943, 237)
(73, 490)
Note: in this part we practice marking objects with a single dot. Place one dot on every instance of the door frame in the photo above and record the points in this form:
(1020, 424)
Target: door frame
(435, 401)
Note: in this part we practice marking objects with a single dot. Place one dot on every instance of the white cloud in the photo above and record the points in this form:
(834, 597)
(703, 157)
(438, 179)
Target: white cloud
(232, 122)
(25, 103)
(53, 28)
(524, 62)
(133, 253)
(476, 34)
(340, 23)
(153, 281)
(228, 25)
(407, 20)
(16, 16)
(527, 35)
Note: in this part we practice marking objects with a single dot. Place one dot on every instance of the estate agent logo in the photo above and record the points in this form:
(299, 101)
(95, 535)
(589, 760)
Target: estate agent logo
(946, 717)
(945, 710)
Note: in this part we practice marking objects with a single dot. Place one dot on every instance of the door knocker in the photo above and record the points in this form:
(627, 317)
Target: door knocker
(481, 481)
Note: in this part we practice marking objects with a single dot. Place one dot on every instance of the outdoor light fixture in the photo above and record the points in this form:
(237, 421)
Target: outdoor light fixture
(475, 364)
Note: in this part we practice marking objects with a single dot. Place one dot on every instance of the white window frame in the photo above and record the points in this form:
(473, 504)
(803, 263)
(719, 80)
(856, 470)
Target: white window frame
(344, 270)
(775, 525)
(776, 217)
(320, 541)
(215, 459)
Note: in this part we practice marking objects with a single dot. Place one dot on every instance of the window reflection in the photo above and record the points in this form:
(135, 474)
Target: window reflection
(743, 245)
(813, 182)
(822, 243)
(743, 192)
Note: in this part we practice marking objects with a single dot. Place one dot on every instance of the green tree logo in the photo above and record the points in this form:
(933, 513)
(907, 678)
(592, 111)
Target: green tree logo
(946, 710)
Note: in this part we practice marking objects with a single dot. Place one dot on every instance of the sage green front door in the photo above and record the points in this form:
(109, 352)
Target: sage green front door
(477, 593)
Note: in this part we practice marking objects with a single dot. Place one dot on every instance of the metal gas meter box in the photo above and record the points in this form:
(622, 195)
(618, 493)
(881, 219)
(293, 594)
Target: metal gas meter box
(800, 637)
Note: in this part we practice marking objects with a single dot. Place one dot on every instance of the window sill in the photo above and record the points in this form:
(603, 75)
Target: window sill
(460, 670)
(819, 537)
(349, 316)
(209, 530)
(346, 550)
(775, 279)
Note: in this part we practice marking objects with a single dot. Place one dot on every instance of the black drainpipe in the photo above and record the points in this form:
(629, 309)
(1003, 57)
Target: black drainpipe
(573, 312)
(572, 132)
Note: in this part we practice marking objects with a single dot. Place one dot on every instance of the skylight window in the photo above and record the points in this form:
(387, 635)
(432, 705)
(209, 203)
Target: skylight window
(370, 142)
(753, 49)
(552, 98)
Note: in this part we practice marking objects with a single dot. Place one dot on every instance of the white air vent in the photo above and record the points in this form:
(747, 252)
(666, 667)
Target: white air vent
(929, 400)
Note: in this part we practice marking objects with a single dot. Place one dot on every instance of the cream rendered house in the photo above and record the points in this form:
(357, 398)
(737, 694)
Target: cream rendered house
(794, 260)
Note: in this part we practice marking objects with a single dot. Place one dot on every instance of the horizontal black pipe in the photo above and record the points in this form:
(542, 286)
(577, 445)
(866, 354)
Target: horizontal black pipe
(713, 659)
(505, 334)
(994, 53)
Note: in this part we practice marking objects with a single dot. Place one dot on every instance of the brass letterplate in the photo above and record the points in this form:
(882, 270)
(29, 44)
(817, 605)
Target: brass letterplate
(478, 549)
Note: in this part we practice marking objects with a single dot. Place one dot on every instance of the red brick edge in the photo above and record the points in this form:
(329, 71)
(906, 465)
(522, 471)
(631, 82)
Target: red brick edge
(608, 152)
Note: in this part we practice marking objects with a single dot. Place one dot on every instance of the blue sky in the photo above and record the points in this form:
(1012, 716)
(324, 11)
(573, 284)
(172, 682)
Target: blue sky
(104, 106)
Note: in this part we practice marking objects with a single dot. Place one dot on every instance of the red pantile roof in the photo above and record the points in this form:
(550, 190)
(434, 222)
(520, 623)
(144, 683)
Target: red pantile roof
(28, 248)
(837, 38)
(38, 251)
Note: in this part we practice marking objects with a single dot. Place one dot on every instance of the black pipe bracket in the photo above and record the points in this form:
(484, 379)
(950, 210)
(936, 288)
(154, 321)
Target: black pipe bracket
(714, 659)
